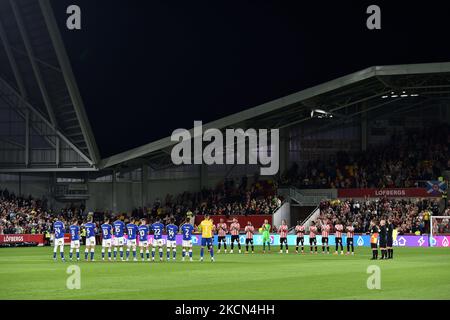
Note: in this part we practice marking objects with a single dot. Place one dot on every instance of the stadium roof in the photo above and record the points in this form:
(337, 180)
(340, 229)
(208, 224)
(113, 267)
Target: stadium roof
(345, 97)
(36, 79)
(40, 99)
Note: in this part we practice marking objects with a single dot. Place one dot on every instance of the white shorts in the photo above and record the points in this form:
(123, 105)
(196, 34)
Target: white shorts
(90, 241)
(59, 242)
(131, 243)
(187, 244)
(106, 243)
(75, 244)
(118, 241)
(157, 242)
(143, 244)
(171, 244)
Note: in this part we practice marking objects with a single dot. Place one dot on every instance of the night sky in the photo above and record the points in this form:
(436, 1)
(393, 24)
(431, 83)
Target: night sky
(145, 68)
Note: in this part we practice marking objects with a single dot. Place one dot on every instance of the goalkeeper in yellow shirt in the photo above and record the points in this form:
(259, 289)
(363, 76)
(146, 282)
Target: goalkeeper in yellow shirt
(207, 228)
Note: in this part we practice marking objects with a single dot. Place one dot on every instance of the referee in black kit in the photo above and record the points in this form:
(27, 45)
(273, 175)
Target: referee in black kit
(383, 239)
(389, 241)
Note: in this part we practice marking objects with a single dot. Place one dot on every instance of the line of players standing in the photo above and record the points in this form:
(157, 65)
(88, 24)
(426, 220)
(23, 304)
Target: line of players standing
(283, 231)
(134, 233)
(325, 230)
(142, 232)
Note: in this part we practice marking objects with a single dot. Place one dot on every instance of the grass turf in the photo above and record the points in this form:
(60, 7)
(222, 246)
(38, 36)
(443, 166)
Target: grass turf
(414, 273)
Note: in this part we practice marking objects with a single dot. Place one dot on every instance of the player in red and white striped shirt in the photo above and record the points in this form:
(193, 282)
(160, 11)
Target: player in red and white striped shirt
(339, 229)
(249, 231)
(325, 228)
(300, 230)
(235, 227)
(350, 234)
(312, 236)
(283, 231)
(222, 230)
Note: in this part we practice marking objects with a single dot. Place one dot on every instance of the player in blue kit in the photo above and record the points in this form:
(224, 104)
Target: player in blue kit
(143, 231)
(132, 231)
(171, 243)
(74, 239)
(119, 229)
(106, 238)
(58, 239)
(186, 230)
(157, 229)
(90, 238)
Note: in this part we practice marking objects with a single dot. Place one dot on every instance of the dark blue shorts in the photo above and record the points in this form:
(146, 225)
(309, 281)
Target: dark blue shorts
(206, 242)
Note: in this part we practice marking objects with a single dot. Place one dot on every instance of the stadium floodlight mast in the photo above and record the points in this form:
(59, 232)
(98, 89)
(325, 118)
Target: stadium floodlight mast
(434, 231)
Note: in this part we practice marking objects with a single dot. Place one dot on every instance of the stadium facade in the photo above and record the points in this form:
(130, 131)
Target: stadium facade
(47, 148)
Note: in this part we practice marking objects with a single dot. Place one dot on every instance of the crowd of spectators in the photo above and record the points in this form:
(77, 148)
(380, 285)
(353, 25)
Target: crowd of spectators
(22, 214)
(233, 197)
(19, 214)
(409, 216)
(442, 225)
(408, 158)
(27, 215)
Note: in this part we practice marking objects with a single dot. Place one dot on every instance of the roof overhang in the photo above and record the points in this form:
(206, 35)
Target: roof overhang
(36, 72)
(350, 90)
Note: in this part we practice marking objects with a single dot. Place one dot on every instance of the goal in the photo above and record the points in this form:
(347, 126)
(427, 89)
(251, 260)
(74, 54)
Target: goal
(440, 231)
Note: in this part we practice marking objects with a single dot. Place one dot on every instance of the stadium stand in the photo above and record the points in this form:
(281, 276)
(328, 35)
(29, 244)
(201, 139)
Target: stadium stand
(408, 215)
(20, 215)
(408, 158)
(228, 198)
(27, 215)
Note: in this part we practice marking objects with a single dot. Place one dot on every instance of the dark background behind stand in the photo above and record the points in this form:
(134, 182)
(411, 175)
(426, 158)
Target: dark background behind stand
(145, 68)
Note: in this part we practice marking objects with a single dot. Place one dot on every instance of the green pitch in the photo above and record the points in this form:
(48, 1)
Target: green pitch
(422, 273)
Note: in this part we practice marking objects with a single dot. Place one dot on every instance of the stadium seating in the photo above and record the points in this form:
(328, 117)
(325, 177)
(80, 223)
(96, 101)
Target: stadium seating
(226, 199)
(409, 216)
(23, 215)
(408, 158)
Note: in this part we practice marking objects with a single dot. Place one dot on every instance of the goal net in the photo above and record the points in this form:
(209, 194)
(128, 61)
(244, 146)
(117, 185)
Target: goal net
(440, 231)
